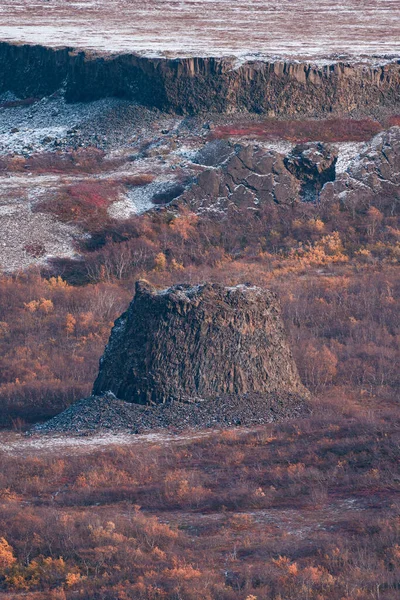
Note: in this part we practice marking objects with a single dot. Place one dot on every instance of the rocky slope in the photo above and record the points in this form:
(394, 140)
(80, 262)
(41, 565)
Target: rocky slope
(198, 343)
(195, 84)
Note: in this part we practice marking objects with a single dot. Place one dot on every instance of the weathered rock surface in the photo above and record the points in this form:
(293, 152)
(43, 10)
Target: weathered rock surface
(246, 176)
(249, 176)
(373, 178)
(195, 84)
(196, 344)
(314, 165)
(214, 153)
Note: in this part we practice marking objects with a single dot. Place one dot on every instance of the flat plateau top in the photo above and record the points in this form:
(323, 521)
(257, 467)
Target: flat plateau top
(302, 29)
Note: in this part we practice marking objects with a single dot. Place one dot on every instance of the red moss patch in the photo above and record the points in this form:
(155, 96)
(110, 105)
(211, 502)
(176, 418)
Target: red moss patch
(394, 121)
(81, 161)
(326, 130)
(92, 194)
(84, 203)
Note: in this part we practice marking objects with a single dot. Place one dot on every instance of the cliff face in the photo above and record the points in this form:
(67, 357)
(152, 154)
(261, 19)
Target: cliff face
(199, 343)
(191, 85)
(32, 71)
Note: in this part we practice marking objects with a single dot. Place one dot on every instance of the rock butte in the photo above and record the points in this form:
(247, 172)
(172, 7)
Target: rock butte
(198, 343)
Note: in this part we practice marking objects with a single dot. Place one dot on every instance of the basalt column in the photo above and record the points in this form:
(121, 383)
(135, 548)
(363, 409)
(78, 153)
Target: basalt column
(198, 343)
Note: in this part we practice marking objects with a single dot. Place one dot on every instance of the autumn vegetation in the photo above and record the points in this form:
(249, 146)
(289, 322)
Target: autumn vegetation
(298, 511)
(301, 510)
(335, 269)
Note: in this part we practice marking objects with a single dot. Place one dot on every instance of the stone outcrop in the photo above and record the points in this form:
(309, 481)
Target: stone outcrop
(191, 344)
(371, 179)
(195, 84)
(249, 176)
(314, 165)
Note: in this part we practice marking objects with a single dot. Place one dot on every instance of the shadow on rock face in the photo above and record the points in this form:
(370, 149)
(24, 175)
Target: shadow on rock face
(168, 194)
(313, 164)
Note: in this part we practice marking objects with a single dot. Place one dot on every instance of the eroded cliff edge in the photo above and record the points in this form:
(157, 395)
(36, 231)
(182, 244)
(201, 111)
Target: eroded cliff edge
(197, 84)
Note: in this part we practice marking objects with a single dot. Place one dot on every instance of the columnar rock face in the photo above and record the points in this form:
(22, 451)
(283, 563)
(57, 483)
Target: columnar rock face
(198, 343)
(191, 85)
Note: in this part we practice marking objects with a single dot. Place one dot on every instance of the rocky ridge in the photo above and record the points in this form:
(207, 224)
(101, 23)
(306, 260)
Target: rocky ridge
(249, 175)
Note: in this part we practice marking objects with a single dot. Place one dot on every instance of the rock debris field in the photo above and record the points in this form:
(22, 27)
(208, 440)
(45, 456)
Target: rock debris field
(102, 413)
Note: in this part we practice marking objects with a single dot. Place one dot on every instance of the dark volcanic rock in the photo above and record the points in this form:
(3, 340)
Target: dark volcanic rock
(253, 176)
(170, 192)
(191, 358)
(107, 413)
(371, 179)
(195, 84)
(314, 164)
(198, 343)
(248, 177)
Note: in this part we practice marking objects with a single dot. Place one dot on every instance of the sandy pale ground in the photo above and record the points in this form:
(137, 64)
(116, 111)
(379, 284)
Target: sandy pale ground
(17, 444)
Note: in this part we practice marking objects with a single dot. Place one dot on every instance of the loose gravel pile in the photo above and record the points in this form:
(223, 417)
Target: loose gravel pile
(107, 413)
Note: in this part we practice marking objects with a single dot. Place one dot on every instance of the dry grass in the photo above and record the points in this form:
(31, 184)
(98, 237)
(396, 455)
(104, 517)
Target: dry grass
(302, 511)
(356, 27)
